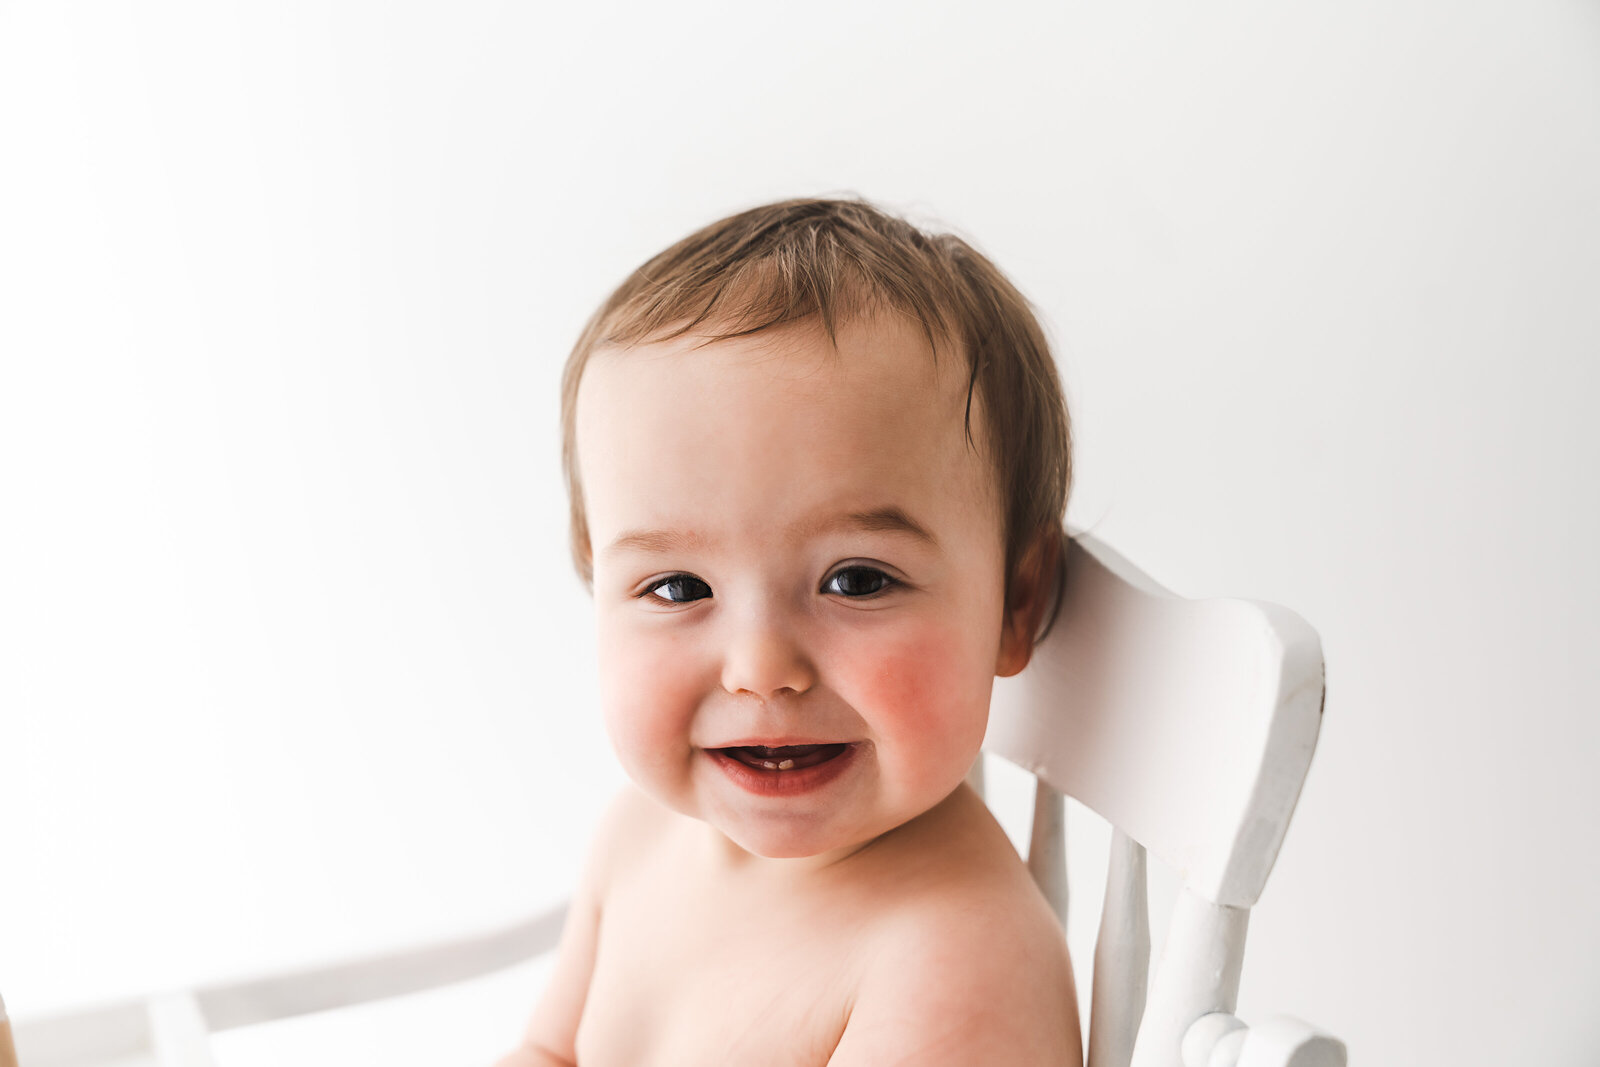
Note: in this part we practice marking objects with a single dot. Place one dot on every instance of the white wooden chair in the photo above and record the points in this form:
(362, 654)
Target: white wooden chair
(1188, 725)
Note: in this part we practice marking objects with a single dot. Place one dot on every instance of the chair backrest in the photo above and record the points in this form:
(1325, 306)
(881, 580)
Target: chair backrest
(1189, 726)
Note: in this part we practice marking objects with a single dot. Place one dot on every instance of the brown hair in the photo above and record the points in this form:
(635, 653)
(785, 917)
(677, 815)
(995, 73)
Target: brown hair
(834, 260)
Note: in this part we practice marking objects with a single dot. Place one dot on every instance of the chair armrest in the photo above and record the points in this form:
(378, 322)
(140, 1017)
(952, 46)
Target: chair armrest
(377, 977)
(105, 1032)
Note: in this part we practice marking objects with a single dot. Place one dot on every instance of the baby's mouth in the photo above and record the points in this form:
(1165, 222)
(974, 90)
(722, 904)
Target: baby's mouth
(784, 757)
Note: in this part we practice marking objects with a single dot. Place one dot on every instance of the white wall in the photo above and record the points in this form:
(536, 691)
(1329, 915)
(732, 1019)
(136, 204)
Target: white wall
(291, 660)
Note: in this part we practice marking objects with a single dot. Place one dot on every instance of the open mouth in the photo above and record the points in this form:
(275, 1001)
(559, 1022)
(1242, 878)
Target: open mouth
(784, 757)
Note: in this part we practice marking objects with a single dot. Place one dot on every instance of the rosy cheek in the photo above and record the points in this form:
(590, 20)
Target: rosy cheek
(918, 687)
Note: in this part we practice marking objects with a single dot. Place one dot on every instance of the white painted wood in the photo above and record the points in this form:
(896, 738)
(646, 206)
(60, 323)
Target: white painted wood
(1121, 957)
(1137, 697)
(1047, 848)
(104, 1033)
(1289, 1042)
(1198, 974)
(1227, 1050)
(375, 977)
(97, 1034)
(178, 1031)
(1206, 1034)
(1221, 1040)
(1188, 725)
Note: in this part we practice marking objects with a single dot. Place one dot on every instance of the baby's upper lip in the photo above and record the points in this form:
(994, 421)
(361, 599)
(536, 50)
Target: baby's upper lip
(778, 742)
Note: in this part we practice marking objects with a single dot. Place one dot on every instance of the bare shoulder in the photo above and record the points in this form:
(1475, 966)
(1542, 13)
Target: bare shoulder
(969, 969)
(965, 985)
(551, 1034)
(631, 823)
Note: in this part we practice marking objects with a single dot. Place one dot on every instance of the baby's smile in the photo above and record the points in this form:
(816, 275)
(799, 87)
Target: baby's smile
(783, 770)
(783, 757)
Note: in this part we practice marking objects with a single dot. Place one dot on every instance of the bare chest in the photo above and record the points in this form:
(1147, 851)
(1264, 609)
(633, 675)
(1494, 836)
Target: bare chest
(687, 977)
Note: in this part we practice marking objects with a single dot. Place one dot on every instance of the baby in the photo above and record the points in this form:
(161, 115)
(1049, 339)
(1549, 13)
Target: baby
(818, 462)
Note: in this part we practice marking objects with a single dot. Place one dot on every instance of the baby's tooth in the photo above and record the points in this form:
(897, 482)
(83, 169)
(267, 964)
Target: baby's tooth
(786, 765)
(769, 765)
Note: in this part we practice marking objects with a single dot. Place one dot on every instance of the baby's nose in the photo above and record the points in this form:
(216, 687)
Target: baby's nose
(764, 660)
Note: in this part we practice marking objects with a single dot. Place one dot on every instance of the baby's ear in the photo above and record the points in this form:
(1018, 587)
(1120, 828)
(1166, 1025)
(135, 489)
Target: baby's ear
(1028, 596)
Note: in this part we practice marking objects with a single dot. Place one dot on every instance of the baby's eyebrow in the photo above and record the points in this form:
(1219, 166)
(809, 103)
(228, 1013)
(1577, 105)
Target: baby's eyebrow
(889, 519)
(656, 541)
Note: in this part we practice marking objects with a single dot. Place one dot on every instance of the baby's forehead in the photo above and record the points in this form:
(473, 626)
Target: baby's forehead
(784, 424)
(882, 391)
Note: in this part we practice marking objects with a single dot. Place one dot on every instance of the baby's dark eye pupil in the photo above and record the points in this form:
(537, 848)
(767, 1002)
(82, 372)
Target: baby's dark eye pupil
(858, 581)
(681, 588)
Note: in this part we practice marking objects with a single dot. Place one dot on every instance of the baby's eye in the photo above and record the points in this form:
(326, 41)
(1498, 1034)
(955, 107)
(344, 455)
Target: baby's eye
(857, 582)
(679, 588)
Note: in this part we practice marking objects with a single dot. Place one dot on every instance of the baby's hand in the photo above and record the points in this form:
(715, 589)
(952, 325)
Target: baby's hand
(526, 1056)
(8, 1051)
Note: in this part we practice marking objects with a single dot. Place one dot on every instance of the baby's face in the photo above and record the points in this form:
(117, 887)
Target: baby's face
(794, 549)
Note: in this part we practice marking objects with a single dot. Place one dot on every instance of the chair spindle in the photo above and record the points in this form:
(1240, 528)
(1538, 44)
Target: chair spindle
(1121, 957)
(1198, 974)
(1047, 848)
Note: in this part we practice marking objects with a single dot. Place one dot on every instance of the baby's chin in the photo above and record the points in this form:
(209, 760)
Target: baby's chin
(819, 839)
(819, 832)
(814, 837)
(795, 846)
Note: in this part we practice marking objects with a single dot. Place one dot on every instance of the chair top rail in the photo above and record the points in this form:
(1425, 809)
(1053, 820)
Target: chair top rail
(1137, 697)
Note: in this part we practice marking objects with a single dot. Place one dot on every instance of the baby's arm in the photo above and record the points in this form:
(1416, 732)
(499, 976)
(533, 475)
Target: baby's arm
(954, 989)
(552, 1032)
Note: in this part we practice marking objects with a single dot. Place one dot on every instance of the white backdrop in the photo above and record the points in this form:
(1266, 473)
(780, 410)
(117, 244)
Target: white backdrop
(292, 662)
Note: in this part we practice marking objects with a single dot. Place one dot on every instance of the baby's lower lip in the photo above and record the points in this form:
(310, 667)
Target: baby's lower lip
(785, 771)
